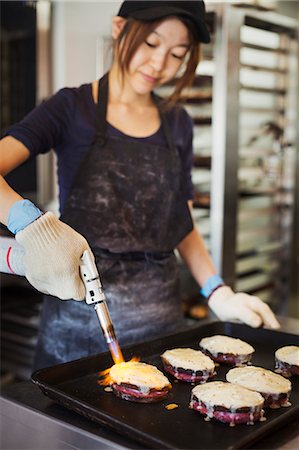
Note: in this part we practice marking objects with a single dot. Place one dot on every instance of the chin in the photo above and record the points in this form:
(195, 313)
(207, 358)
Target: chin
(144, 88)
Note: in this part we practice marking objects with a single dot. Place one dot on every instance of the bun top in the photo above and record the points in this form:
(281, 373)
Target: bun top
(288, 354)
(220, 393)
(259, 379)
(187, 358)
(142, 375)
(226, 344)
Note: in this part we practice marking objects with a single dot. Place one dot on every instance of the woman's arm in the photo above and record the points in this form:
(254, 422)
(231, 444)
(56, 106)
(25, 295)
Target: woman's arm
(195, 254)
(12, 154)
(223, 301)
(52, 248)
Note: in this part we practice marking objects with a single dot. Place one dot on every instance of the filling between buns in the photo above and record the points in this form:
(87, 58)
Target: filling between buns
(187, 374)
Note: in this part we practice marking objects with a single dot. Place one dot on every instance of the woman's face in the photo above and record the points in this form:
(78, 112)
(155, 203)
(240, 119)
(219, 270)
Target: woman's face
(159, 57)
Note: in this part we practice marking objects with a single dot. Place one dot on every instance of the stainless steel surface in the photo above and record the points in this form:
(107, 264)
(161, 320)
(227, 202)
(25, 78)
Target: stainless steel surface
(35, 431)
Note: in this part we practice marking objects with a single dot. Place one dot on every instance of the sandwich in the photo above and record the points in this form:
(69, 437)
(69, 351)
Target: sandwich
(138, 382)
(273, 387)
(227, 350)
(227, 403)
(188, 365)
(287, 360)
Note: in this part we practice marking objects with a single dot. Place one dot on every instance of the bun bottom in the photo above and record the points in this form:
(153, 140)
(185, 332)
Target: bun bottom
(285, 369)
(133, 394)
(244, 415)
(275, 401)
(190, 376)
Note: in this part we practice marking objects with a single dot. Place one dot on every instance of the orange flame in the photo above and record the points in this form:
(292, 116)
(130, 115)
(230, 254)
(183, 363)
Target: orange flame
(116, 353)
(105, 379)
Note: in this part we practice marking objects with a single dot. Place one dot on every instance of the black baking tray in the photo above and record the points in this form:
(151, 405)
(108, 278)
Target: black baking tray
(75, 386)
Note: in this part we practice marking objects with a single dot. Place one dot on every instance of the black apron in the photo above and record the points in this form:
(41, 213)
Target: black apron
(128, 201)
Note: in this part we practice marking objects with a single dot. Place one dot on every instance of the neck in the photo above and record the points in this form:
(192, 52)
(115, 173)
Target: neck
(122, 92)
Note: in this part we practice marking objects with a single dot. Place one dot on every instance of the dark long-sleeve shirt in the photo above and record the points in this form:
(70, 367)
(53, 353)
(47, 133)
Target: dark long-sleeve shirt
(66, 123)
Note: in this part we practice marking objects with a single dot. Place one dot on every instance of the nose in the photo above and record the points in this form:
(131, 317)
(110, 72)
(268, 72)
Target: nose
(158, 60)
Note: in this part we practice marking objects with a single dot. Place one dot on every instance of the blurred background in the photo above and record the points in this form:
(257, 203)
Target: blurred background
(244, 103)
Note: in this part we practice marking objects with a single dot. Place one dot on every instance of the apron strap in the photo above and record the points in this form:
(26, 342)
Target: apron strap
(165, 125)
(103, 91)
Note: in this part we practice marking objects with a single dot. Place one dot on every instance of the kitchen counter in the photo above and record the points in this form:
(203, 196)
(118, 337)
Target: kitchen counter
(30, 420)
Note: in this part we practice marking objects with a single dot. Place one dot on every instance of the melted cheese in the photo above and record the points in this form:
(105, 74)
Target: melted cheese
(219, 393)
(188, 359)
(226, 344)
(142, 375)
(288, 354)
(259, 379)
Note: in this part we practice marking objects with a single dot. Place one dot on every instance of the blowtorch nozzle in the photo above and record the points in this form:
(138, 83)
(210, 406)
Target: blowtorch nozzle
(96, 297)
(108, 331)
(116, 352)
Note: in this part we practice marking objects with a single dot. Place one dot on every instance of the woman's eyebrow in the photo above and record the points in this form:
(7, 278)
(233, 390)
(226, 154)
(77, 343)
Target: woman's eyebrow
(178, 45)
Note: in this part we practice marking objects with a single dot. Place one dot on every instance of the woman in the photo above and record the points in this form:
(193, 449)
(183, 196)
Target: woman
(124, 162)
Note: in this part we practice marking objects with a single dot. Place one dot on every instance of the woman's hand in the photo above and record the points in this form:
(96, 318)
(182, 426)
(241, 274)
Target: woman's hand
(52, 257)
(228, 305)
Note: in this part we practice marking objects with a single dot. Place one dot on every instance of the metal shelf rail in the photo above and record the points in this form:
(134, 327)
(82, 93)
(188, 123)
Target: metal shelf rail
(255, 153)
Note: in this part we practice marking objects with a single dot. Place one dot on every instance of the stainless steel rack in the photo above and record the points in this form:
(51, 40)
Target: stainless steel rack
(243, 103)
(255, 152)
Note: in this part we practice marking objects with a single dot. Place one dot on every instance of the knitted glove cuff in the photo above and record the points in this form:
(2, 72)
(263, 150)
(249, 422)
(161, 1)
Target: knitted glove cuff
(43, 231)
(214, 290)
(220, 295)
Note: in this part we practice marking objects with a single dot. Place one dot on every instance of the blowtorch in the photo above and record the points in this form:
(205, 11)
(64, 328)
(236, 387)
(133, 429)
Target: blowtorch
(11, 254)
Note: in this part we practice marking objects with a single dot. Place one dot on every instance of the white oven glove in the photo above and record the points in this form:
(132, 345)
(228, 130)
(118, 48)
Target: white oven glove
(228, 305)
(52, 257)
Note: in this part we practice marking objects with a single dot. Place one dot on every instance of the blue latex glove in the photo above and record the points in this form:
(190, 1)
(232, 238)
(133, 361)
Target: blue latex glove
(21, 214)
(211, 284)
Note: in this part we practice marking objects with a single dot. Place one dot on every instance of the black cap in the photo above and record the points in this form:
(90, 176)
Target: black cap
(154, 10)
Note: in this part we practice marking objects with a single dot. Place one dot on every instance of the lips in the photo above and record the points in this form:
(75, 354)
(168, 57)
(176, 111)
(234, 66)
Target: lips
(148, 78)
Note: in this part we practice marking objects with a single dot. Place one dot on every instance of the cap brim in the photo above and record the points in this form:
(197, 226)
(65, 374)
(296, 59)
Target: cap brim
(164, 11)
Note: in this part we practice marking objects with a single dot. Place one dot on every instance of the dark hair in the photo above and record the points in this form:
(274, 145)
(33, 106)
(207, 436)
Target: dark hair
(134, 34)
